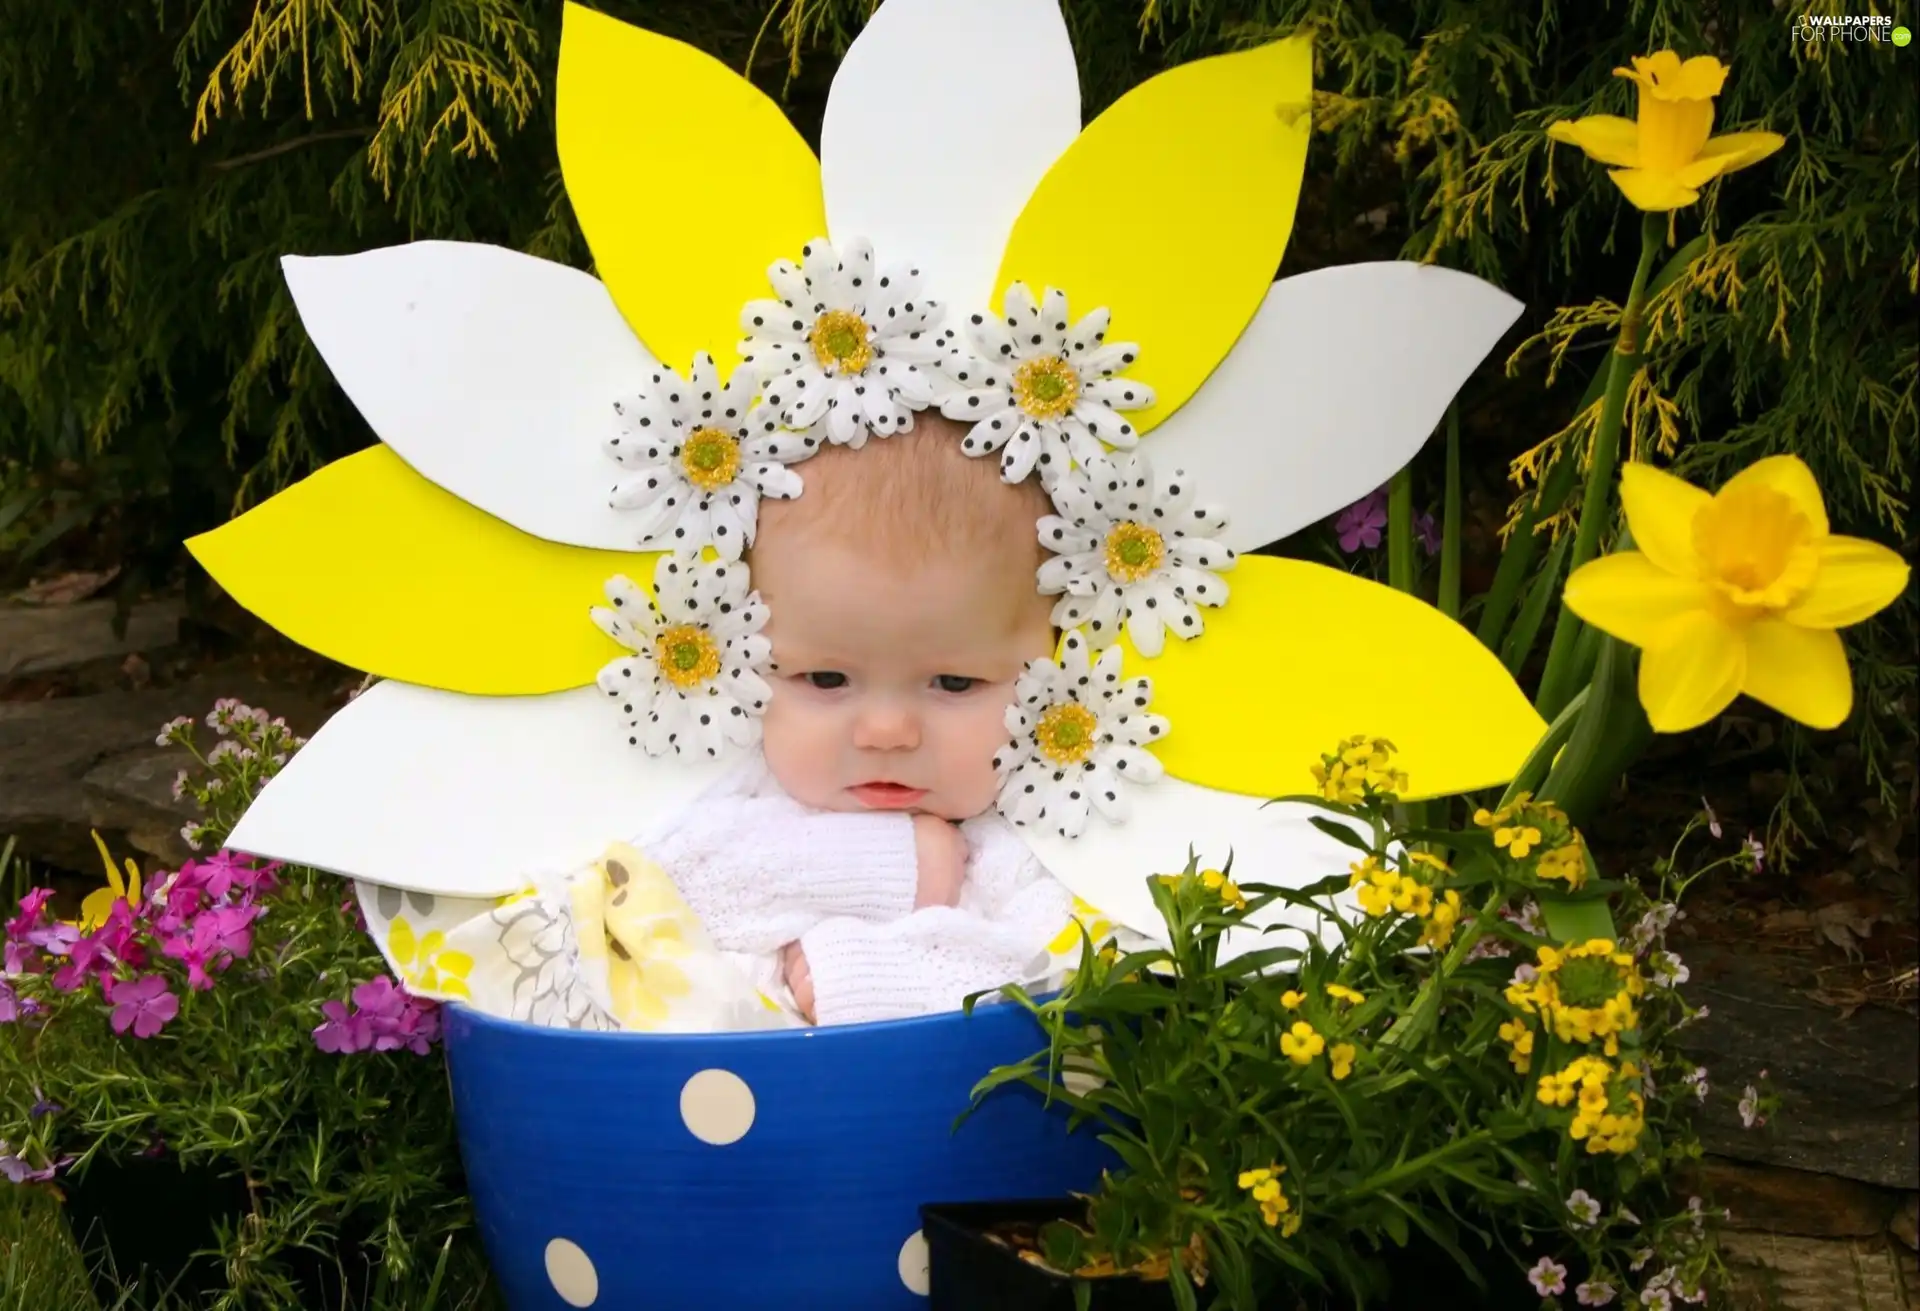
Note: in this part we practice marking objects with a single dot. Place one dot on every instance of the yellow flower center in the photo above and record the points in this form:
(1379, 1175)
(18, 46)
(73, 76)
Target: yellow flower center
(840, 342)
(1134, 551)
(1756, 547)
(1046, 387)
(686, 655)
(1066, 733)
(711, 458)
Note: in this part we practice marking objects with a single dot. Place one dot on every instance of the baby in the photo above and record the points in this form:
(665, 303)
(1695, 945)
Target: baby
(860, 869)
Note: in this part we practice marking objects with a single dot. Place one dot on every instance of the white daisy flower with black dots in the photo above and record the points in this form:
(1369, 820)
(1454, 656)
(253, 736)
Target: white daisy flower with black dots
(1080, 735)
(699, 457)
(1042, 387)
(1133, 552)
(845, 350)
(694, 682)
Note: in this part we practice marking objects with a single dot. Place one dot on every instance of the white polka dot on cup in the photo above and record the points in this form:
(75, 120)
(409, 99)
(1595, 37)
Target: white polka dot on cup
(717, 1107)
(570, 1271)
(913, 1264)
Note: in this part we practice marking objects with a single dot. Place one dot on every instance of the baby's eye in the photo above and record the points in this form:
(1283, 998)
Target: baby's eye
(955, 683)
(826, 679)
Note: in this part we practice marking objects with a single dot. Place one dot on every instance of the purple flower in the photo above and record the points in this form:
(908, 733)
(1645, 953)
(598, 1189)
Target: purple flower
(185, 947)
(143, 1005)
(342, 1032)
(226, 932)
(9, 1004)
(1428, 532)
(18, 956)
(16, 1168)
(1548, 1277)
(379, 997)
(32, 907)
(1360, 524)
(42, 1106)
(1756, 851)
(1595, 1292)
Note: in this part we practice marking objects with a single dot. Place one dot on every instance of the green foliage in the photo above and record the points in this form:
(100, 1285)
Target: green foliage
(1392, 1094)
(337, 1152)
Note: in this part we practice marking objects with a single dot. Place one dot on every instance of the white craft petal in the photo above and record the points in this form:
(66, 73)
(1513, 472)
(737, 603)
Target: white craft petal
(1108, 865)
(941, 120)
(1342, 375)
(489, 372)
(466, 795)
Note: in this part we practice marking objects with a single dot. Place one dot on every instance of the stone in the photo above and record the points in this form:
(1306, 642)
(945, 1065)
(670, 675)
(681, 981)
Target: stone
(1783, 1272)
(1849, 1086)
(1905, 1225)
(41, 639)
(71, 764)
(1797, 1202)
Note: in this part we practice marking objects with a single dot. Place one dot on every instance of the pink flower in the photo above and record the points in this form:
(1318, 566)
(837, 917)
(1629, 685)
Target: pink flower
(1595, 1292)
(186, 948)
(1360, 524)
(1428, 531)
(9, 1004)
(1548, 1277)
(1583, 1208)
(379, 997)
(226, 932)
(143, 1005)
(343, 1032)
(32, 908)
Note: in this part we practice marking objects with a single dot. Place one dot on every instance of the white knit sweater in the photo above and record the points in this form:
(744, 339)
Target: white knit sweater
(761, 871)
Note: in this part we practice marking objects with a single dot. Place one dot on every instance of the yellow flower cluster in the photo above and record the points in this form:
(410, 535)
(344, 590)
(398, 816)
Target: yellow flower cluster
(1359, 770)
(1525, 829)
(1213, 881)
(1382, 890)
(1519, 1039)
(1276, 1208)
(1302, 1043)
(1583, 993)
(1609, 1112)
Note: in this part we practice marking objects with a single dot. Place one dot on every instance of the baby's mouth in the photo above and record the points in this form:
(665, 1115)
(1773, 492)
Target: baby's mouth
(886, 796)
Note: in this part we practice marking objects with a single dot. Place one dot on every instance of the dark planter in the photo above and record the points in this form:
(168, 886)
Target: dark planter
(969, 1271)
(150, 1224)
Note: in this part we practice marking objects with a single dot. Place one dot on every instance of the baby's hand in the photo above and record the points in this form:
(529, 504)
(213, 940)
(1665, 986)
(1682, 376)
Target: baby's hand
(799, 977)
(941, 853)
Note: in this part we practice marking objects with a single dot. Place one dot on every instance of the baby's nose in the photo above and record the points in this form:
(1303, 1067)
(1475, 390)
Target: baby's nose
(886, 728)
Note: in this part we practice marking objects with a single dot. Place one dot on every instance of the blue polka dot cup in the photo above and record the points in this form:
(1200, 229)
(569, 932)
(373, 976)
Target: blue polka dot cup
(783, 1168)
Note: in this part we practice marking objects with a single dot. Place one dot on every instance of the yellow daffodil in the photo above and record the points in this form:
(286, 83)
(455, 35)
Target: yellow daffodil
(1736, 591)
(1665, 155)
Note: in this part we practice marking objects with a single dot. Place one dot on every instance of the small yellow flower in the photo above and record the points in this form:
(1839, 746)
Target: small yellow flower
(1567, 863)
(1340, 1057)
(1519, 1037)
(1340, 992)
(1301, 1043)
(1431, 861)
(1741, 590)
(1214, 881)
(1263, 1185)
(1292, 1000)
(1518, 841)
(1669, 152)
(1440, 924)
(1290, 1225)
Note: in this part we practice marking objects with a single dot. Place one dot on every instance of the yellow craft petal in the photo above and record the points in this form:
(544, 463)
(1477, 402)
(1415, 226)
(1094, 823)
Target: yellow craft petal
(1660, 510)
(1172, 209)
(1801, 672)
(1790, 476)
(1630, 597)
(1302, 656)
(1655, 192)
(1605, 137)
(1739, 149)
(686, 179)
(1857, 579)
(370, 564)
(1695, 676)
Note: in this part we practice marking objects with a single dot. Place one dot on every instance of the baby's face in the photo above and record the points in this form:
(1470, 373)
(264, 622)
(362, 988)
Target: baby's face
(891, 683)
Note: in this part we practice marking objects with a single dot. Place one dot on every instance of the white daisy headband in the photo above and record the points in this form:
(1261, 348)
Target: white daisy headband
(964, 232)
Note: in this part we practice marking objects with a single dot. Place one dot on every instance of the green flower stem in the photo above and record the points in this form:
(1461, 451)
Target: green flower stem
(1450, 521)
(1596, 503)
(1401, 572)
(1425, 1010)
(1387, 1178)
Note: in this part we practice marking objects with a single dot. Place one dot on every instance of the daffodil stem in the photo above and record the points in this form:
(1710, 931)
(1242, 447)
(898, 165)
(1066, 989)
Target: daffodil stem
(1401, 571)
(1597, 501)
